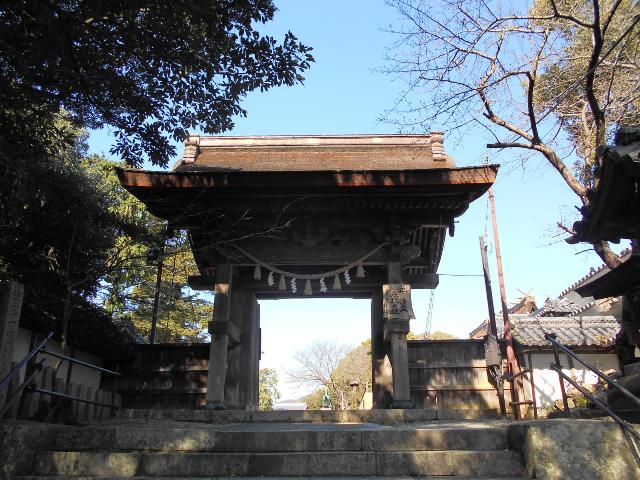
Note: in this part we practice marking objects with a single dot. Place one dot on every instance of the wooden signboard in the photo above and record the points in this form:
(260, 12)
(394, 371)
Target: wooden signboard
(397, 301)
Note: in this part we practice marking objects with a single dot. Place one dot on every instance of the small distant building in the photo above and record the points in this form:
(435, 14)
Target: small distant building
(586, 325)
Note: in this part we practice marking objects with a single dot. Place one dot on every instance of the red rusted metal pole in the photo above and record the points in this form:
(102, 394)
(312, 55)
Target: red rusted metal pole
(514, 367)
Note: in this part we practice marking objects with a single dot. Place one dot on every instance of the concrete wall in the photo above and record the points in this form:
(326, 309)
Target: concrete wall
(79, 375)
(547, 385)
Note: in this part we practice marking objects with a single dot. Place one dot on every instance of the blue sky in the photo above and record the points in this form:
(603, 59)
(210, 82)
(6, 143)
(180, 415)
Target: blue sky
(344, 94)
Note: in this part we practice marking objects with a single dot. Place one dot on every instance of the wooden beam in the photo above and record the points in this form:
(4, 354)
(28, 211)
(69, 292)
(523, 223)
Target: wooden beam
(483, 175)
(418, 280)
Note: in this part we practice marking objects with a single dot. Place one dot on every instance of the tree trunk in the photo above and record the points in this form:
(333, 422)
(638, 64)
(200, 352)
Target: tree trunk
(603, 249)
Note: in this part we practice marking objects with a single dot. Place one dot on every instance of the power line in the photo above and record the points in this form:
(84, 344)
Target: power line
(459, 275)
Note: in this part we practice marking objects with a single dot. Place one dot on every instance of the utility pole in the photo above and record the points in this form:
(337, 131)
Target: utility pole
(491, 348)
(512, 360)
(156, 297)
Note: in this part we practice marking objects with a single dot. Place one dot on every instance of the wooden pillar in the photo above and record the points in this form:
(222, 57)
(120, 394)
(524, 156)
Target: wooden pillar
(258, 356)
(382, 377)
(219, 337)
(396, 329)
(239, 356)
(400, 359)
(250, 355)
(234, 351)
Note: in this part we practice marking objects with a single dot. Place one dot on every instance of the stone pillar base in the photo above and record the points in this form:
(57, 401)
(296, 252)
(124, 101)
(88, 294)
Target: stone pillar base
(215, 406)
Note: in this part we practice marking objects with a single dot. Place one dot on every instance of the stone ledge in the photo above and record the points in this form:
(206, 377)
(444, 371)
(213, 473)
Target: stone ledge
(569, 448)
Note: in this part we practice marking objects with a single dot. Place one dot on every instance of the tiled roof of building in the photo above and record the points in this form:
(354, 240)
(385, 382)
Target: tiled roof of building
(572, 331)
(314, 153)
(595, 273)
(570, 305)
(524, 305)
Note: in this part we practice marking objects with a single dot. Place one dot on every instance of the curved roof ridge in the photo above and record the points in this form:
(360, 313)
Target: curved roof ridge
(593, 271)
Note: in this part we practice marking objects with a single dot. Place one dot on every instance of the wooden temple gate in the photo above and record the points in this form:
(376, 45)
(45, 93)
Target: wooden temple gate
(328, 216)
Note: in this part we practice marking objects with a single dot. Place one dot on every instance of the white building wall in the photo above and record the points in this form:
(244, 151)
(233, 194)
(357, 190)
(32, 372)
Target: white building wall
(547, 384)
(80, 375)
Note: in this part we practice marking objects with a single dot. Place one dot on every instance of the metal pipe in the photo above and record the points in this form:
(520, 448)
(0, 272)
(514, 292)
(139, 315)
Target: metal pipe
(79, 362)
(558, 368)
(533, 387)
(552, 338)
(598, 403)
(520, 373)
(30, 355)
(70, 397)
(24, 384)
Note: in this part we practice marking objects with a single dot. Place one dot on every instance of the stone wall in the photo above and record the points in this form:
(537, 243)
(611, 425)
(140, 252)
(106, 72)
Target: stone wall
(581, 449)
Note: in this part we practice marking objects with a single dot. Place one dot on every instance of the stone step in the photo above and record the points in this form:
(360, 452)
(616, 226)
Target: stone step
(311, 463)
(281, 438)
(367, 477)
(383, 417)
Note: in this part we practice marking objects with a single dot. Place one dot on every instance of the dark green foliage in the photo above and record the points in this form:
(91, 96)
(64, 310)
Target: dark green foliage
(56, 225)
(57, 232)
(128, 285)
(183, 315)
(150, 69)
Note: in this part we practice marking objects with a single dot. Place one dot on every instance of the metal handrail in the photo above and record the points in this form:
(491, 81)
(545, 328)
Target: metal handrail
(551, 337)
(18, 392)
(563, 376)
(53, 393)
(80, 362)
(40, 348)
(516, 403)
(6, 380)
(620, 421)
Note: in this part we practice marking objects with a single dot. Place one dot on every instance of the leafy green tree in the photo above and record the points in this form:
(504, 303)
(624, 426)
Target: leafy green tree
(315, 365)
(353, 369)
(151, 70)
(74, 237)
(437, 335)
(549, 78)
(127, 287)
(268, 393)
(183, 315)
(132, 245)
(326, 364)
(57, 228)
(314, 401)
(608, 96)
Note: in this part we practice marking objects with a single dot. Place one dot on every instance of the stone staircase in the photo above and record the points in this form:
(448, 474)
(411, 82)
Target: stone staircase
(152, 448)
